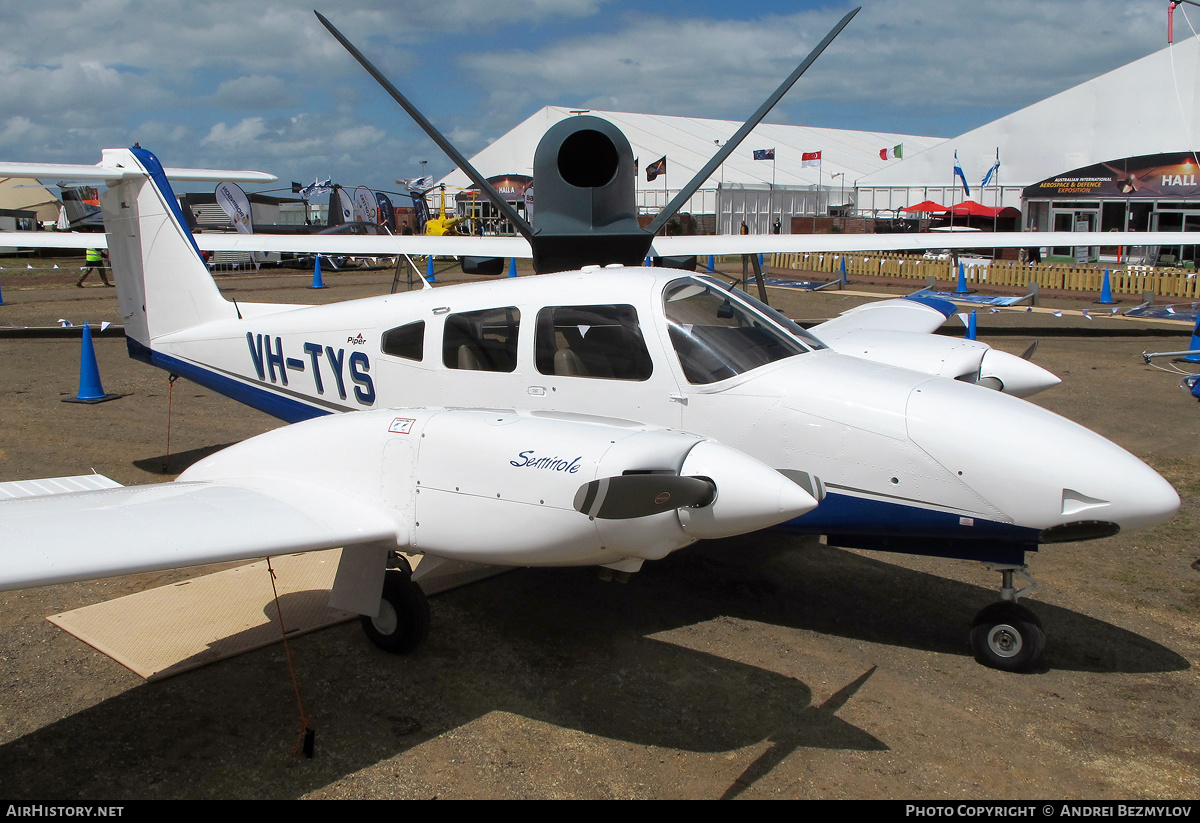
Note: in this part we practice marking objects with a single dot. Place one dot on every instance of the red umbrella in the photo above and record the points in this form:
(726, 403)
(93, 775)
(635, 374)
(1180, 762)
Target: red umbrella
(973, 209)
(928, 206)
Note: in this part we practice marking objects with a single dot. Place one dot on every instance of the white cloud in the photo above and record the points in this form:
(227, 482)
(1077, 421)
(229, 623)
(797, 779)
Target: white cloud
(264, 85)
(255, 91)
(934, 55)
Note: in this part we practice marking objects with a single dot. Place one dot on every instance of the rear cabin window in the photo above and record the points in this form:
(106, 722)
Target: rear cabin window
(716, 336)
(482, 340)
(405, 341)
(591, 341)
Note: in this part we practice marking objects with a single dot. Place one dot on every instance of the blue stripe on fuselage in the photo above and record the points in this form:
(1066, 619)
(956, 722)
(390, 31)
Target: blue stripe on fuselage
(276, 405)
(863, 522)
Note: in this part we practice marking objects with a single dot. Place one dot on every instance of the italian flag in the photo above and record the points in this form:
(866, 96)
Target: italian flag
(894, 153)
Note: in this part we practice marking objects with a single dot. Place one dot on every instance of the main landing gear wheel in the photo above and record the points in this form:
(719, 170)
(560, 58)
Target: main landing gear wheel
(1008, 637)
(403, 620)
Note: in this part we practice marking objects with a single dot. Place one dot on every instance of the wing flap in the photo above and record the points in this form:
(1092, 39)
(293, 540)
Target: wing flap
(101, 533)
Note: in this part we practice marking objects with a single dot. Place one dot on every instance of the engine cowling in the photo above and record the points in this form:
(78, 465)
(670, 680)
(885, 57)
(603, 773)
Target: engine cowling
(502, 487)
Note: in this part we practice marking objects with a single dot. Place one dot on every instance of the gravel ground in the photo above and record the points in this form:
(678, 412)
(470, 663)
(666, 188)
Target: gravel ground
(760, 667)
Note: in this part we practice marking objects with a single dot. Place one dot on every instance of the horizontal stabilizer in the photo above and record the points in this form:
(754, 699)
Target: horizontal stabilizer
(61, 537)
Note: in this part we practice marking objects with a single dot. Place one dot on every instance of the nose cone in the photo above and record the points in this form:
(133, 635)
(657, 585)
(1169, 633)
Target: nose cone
(1039, 469)
(1017, 376)
(750, 495)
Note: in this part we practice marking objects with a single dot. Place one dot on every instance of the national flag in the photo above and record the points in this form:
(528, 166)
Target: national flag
(958, 172)
(656, 168)
(316, 189)
(987, 178)
(764, 154)
(420, 185)
(810, 158)
(894, 153)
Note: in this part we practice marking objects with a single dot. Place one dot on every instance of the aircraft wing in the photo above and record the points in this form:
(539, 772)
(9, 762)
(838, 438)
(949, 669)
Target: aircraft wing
(369, 245)
(54, 239)
(683, 245)
(687, 245)
(54, 537)
(357, 245)
(903, 314)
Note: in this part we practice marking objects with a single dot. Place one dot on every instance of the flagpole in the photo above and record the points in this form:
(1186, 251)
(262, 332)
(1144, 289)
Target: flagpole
(771, 195)
(953, 186)
(999, 193)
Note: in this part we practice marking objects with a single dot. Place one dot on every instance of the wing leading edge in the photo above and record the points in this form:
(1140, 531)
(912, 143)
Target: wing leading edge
(85, 535)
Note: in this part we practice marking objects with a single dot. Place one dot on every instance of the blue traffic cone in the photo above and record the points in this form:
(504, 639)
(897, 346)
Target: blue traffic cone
(712, 264)
(971, 325)
(843, 270)
(760, 260)
(317, 283)
(1106, 297)
(2, 303)
(512, 267)
(962, 280)
(90, 390)
(647, 262)
(429, 269)
(1195, 344)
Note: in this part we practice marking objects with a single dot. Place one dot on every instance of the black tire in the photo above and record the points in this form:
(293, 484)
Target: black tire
(403, 620)
(1008, 637)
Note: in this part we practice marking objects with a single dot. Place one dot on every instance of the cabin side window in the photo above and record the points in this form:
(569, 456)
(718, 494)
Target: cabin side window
(406, 341)
(717, 336)
(482, 340)
(591, 341)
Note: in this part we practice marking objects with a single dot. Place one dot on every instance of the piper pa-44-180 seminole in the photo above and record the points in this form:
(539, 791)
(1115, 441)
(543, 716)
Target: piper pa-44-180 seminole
(602, 416)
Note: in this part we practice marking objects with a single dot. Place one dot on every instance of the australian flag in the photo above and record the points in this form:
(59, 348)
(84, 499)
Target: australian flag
(764, 154)
(656, 168)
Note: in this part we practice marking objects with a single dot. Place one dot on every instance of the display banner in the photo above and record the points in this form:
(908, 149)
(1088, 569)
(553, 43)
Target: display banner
(366, 208)
(386, 211)
(236, 205)
(1171, 176)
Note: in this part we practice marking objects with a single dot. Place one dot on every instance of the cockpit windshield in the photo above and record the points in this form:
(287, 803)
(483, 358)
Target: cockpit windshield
(718, 334)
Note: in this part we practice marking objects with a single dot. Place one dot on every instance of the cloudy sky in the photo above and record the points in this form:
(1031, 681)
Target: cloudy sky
(262, 85)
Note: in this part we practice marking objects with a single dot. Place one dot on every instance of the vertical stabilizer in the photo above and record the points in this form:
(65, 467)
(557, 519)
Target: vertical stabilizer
(163, 285)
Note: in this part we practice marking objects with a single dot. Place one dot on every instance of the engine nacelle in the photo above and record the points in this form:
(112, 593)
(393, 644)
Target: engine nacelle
(499, 487)
(970, 361)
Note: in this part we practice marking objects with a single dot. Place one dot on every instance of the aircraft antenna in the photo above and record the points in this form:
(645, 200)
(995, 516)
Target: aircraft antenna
(701, 176)
(445, 145)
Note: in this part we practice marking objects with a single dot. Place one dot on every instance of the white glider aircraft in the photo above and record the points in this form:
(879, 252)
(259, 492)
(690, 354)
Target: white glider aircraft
(603, 416)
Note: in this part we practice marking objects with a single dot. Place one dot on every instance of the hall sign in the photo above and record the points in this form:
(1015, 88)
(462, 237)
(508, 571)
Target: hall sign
(1171, 176)
(509, 186)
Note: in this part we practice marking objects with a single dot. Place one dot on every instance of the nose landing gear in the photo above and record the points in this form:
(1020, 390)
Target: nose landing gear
(1005, 635)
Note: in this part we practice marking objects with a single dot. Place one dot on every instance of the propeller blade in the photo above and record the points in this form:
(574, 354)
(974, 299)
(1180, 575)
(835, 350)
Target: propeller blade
(1029, 352)
(639, 495)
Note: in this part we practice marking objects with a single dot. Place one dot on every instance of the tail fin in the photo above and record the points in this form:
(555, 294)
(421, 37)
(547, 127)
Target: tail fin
(163, 285)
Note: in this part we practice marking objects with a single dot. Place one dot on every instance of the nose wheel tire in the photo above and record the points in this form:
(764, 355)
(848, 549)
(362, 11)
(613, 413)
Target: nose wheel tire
(1008, 637)
(402, 623)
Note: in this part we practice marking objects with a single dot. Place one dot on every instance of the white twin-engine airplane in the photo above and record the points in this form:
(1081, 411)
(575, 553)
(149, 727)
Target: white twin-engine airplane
(599, 417)
(605, 416)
